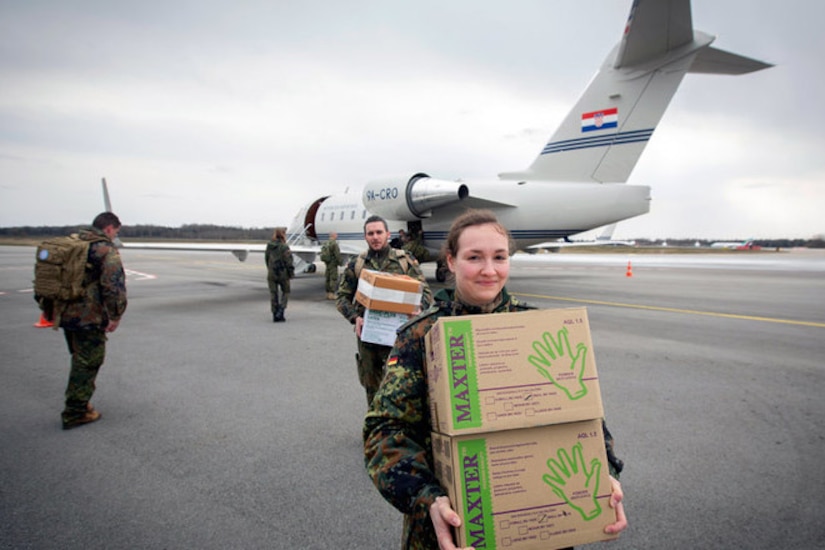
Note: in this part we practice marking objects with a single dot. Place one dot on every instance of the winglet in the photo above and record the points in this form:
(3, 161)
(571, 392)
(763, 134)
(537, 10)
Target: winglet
(107, 206)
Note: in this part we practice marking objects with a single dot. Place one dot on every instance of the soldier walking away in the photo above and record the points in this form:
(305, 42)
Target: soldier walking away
(280, 270)
(331, 256)
(87, 320)
(380, 256)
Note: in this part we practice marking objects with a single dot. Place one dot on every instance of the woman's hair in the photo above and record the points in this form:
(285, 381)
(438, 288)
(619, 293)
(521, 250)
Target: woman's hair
(468, 219)
(279, 234)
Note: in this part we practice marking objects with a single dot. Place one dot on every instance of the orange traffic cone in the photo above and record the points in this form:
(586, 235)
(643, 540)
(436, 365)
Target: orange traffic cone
(629, 269)
(43, 322)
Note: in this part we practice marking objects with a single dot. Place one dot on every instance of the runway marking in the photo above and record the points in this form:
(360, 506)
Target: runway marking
(140, 276)
(678, 310)
(129, 273)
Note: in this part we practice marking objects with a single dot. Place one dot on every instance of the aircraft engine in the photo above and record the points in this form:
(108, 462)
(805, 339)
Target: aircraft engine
(413, 199)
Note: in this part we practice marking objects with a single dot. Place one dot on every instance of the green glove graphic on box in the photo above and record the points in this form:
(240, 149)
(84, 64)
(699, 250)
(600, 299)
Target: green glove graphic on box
(572, 482)
(557, 362)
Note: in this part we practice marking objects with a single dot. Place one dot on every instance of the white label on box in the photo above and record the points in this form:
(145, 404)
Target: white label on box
(380, 326)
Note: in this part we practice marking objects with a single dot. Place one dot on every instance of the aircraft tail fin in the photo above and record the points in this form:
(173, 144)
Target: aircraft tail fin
(604, 135)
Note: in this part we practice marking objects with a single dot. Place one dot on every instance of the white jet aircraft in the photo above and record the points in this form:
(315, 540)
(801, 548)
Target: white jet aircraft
(604, 239)
(577, 181)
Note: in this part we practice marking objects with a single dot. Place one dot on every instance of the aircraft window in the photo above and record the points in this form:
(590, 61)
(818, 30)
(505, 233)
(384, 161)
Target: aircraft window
(342, 216)
(352, 215)
(364, 214)
(323, 214)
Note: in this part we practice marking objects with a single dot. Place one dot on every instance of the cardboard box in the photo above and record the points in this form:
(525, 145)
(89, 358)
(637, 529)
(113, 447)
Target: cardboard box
(380, 326)
(388, 291)
(511, 370)
(534, 488)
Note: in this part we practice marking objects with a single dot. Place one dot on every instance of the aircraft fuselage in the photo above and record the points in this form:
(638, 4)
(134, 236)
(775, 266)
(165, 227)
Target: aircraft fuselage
(533, 211)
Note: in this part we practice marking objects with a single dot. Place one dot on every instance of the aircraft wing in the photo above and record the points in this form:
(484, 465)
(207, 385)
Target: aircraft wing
(239, 250)
(303, 255)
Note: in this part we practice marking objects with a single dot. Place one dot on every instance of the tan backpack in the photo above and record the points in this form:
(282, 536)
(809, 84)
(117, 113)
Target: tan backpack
(60, 268)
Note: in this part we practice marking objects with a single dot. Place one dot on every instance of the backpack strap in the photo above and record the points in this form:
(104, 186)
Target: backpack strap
(400, 255)
(359, 264)
(403, 258)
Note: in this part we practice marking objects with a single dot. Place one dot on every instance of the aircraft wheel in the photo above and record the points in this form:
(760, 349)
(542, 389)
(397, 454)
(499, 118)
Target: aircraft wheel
(311, 268)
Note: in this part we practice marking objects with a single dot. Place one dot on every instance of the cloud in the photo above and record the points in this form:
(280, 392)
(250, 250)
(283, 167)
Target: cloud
(240, 113)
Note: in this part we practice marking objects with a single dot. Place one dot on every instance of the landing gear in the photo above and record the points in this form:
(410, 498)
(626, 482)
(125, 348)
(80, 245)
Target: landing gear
(311, 268)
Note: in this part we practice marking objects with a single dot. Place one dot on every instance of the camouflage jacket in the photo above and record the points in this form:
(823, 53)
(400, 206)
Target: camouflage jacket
(388, 260)
(278, 258)
(397, 442)
(105, 282)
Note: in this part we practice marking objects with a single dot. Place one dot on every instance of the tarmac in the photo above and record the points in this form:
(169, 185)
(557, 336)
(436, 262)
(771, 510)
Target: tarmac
(221, 429)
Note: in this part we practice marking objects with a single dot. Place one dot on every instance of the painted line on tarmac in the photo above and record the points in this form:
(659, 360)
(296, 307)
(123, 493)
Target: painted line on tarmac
(140, 276)
(678, 310)
(129, 273)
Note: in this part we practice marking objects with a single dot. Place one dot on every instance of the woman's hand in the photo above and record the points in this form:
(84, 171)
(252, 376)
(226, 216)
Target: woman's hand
(443, 517)
(616, 503)
(359, 324)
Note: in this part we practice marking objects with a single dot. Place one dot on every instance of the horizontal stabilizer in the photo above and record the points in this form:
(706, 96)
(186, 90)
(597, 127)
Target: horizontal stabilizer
(715, 61)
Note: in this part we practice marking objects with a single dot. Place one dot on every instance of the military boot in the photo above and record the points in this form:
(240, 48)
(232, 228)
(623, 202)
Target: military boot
(279, 315)
(91, 415)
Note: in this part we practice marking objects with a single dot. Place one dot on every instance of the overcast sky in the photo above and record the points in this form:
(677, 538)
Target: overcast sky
(239, 113)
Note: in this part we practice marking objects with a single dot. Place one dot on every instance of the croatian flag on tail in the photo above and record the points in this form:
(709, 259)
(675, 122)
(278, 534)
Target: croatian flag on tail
(600, 120)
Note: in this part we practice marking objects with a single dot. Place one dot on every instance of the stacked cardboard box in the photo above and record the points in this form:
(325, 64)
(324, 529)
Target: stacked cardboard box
(389, 299)
(516, 410)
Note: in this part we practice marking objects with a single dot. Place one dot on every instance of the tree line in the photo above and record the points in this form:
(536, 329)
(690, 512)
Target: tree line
(189, 232)
(816, 242)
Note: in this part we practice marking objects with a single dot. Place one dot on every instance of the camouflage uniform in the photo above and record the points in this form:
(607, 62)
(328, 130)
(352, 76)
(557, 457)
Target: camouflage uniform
(415, 247)
(331, 256)
(397, 441)
(280, 270)
(84, 321)
(371, 357)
